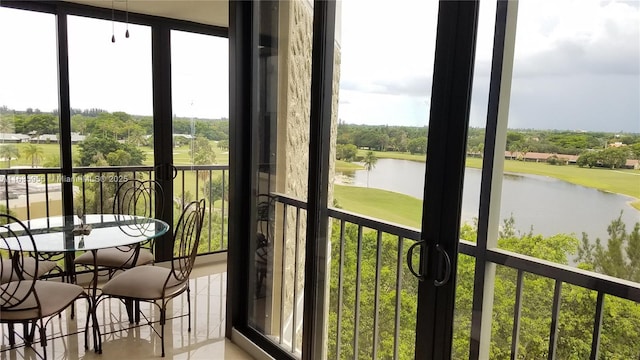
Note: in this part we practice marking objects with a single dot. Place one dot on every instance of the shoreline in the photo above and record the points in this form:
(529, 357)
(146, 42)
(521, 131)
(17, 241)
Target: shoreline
(634, 201)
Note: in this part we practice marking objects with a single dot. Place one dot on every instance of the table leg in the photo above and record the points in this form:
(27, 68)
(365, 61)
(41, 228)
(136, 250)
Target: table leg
(70, 270)
(97, 342)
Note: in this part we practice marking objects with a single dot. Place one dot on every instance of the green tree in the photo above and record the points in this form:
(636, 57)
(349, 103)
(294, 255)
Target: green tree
(6, 125)
(620, 257)
(223, 145)
(53, 160)
(119, 158)
(215, 189)
(417, 146)
(98, 147)
(8, 152)
(42, 124)
(346, 152)
(370, 160)
(34, 153)
(202, 152)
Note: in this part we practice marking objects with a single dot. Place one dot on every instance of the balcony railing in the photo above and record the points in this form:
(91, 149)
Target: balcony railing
(36, 192)
(373, 296)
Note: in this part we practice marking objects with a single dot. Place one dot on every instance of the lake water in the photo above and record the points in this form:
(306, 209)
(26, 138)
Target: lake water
(549, 205)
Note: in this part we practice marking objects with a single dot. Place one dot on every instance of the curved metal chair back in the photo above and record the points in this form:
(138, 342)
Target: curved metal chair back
(16, 242)
(186, 239)
(137, 198)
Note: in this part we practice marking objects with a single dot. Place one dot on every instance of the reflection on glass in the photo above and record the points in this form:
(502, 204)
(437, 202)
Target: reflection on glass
(282, 147)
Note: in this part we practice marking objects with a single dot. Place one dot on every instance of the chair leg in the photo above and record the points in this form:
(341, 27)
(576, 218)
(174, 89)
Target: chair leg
(189, 307)
(43, 334)
(86, 325)
(128, 304)
(163, 319)
(97, 341)
(136, 311)
(29, 332)
(12, 334)
(43, 337)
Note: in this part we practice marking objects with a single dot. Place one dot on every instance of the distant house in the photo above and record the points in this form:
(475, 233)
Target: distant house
(13, 138)
(45, 138)
(540, 157)
(632, 164)
(76, 138)
(53, 138)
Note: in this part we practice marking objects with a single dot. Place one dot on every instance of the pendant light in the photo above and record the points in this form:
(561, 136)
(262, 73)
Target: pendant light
(113, 35)
(126, 34)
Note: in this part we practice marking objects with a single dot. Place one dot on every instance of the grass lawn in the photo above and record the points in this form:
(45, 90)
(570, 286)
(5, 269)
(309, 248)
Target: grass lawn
(345, 166)
(394, 155)
(48, 151)
(391, 206)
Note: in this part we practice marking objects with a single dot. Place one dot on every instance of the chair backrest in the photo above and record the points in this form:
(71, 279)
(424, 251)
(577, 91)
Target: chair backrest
(186, 239)
(138, 197)
(15, 243)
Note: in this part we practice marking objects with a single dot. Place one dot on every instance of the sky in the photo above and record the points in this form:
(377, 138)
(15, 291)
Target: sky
(576, 67)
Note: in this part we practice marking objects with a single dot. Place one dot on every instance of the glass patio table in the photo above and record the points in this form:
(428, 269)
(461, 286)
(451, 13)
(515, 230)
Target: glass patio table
(68, 234)
(56, 233)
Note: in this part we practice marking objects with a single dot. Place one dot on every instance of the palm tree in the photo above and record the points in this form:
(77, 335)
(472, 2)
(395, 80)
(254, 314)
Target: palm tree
(8, 152)
(6, 126)
(34, 152)
(369, 161)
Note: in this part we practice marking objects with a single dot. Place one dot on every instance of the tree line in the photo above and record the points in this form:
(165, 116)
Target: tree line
(414, 140)
(118, 124)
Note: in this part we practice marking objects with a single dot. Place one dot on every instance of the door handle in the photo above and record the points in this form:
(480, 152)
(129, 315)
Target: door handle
(166, 172)
(174, 171)
(419, 275)
(447, 267)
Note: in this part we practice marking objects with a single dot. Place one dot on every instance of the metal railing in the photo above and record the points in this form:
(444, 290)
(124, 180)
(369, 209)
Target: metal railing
(367, 257)
(36, 192)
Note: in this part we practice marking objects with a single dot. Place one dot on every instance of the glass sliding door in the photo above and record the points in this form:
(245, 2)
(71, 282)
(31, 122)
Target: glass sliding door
(277, 148)
(565, 150)
(280, 165)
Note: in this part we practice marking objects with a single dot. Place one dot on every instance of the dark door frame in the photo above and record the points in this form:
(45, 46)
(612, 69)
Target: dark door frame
(446, 149)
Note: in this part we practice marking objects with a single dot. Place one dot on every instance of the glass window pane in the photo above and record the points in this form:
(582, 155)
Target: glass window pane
(200, 101)
(111, 106)
(29, 123)
(571, 187)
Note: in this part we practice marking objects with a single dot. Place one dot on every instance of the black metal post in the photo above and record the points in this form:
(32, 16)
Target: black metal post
(448, 124)
(162, 131)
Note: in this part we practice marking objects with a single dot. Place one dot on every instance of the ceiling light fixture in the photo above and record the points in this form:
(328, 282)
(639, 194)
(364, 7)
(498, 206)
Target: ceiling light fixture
(126, 34)
(113, 35)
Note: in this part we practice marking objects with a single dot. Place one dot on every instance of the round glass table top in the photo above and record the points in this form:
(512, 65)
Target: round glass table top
(97, 231)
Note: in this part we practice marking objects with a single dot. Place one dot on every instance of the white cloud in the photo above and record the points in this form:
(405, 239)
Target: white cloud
(576, 62)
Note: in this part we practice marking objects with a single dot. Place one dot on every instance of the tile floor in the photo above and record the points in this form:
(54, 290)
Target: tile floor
(122, 341)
